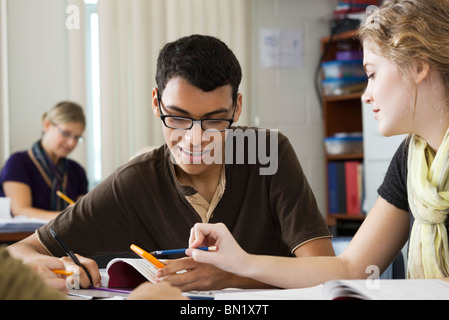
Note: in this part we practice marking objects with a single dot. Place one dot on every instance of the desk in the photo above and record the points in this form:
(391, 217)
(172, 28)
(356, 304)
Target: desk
(18, 228)
(14, 236)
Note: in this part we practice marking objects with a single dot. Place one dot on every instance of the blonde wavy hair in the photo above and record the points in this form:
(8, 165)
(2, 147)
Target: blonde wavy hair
(407, 32)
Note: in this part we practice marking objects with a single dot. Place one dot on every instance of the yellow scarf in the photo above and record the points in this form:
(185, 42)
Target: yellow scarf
(428, 197)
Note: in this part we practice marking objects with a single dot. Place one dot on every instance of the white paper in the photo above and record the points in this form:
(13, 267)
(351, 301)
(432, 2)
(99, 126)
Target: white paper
(20, 224)
(388, 289)
(280, 48)
(5, 208)
(312, 293)
(145, 267)
(73, 282)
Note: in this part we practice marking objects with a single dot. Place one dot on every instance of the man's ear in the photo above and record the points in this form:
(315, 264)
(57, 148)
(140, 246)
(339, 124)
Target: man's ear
(154, 103)
(238, 110)
(422, 72)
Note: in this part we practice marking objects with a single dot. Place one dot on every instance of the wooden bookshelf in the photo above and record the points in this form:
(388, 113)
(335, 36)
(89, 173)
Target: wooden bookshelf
(341, 113)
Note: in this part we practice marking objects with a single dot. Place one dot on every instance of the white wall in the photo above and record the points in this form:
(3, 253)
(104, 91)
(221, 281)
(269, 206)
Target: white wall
(285, 98)
(378, 152)
(38, 67)
(4, 117)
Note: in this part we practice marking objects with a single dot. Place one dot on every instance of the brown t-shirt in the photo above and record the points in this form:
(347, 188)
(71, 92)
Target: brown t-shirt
(143, 203)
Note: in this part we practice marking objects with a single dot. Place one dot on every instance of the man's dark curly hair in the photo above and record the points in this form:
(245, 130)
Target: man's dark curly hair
(203, 61)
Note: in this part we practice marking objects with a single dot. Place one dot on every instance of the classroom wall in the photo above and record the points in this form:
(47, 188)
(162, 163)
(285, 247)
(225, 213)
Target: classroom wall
(4, 123)
(284, 98)
(38, 68)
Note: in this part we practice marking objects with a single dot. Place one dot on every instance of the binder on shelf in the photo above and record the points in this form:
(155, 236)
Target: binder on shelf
(345, 184)
(332, 185)
(337, 189)
(341, 187)
(353, 188)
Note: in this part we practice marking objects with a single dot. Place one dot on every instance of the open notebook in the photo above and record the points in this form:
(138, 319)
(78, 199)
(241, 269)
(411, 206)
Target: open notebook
(129, 273)
(351, 290)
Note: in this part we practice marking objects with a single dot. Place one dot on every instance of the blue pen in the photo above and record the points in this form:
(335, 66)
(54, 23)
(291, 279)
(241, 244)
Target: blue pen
(181, 251)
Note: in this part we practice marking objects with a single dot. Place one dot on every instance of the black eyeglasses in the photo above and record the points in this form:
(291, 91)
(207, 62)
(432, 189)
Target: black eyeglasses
(185, 123)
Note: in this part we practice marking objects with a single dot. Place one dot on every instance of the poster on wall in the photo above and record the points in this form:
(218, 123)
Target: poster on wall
(280, 48)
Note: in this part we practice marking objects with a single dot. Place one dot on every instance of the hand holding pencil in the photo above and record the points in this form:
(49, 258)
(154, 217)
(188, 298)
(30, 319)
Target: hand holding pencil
(228, 255)
(50, 269)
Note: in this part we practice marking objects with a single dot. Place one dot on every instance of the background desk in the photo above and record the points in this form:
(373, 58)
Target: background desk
(14, 236)
(18, 228)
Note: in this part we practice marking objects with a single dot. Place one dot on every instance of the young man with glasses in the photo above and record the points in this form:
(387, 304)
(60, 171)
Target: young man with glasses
(155, 199)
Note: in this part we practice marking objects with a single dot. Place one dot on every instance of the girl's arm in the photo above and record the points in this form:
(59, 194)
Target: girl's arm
(381, 236)
(21, 202)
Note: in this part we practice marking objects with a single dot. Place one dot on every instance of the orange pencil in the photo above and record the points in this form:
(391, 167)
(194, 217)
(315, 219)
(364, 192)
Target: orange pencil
(62, 272)
(64, 197)
(147, 256)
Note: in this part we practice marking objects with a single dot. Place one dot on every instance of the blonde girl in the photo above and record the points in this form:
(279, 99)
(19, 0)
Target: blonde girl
(32, 178)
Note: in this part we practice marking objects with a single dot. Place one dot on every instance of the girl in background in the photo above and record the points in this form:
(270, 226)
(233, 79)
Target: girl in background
(32, 178)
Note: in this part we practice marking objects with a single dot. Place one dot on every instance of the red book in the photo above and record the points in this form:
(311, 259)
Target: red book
(353, 203)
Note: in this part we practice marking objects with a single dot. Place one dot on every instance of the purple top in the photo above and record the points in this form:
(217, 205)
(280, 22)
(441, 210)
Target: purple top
(20, 168)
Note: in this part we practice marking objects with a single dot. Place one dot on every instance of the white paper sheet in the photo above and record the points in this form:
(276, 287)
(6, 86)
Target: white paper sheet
(280, 48)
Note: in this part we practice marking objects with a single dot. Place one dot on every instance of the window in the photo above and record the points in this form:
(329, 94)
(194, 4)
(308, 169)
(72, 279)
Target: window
(93, 95)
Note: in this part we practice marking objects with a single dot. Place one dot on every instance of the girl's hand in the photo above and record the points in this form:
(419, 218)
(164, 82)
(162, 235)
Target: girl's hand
(229, 255)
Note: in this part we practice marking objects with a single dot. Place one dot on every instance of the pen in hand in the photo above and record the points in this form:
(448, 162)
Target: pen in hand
(181, 251)
(69, 253)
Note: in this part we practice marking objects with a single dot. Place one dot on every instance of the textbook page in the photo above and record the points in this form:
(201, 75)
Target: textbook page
(129, 272)
(20, 224)
(387, 289)
(5, 208)
(312, 293)
(146, 268)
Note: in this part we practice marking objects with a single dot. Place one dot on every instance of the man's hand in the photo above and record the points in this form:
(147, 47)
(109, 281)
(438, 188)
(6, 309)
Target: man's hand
(187, 274)
(90, 265)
